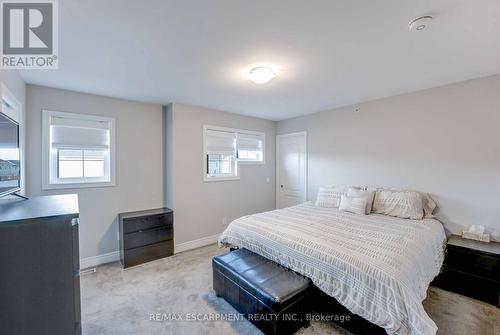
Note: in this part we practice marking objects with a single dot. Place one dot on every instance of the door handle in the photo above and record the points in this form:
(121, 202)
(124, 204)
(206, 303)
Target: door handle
(281, 186)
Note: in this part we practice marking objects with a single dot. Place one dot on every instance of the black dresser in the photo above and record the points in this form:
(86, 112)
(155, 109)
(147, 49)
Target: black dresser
(146, 236)
(39, 264)
(472, 268)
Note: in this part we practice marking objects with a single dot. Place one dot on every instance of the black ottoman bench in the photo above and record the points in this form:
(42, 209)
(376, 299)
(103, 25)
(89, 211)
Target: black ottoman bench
(272, 297)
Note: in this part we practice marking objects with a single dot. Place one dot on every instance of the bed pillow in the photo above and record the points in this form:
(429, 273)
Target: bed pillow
(360, 193)
(401, 204)
(356, 205)
(329, 196)
(428, 203)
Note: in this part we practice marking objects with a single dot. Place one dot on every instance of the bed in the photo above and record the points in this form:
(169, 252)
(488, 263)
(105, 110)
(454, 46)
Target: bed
(378, 267)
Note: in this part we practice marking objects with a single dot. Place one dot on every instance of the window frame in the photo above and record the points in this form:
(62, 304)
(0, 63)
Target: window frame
(51, 180)
(206, 177)
(244, 161)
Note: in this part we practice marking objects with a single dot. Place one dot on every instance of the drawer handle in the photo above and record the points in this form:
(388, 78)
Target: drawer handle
(152, 229)
(166, 227)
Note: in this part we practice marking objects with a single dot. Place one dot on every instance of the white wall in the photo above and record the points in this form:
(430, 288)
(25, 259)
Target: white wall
(445, 141)
(139, 166)
(15, 84)
(200, 206)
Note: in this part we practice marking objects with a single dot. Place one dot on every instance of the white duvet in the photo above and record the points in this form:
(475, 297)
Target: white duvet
(377, 266)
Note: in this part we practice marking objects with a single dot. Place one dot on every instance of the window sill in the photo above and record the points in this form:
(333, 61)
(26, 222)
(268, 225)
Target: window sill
(65, 186)
(207, 179)
(251, 163)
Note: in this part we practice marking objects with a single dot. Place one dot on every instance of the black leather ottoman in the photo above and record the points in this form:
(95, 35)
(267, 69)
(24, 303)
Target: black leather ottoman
(272, 297)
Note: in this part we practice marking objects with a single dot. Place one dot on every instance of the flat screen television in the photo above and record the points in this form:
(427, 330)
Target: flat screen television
(10, 156)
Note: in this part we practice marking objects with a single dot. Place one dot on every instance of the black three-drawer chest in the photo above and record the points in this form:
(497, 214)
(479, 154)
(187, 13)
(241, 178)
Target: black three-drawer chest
(472, 268)
(146, 236)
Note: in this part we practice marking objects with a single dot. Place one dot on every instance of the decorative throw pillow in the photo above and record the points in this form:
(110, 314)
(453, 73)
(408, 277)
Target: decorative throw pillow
(429, 205)
(356, 205)
(329, 196)
(359, 193)
(402, 204)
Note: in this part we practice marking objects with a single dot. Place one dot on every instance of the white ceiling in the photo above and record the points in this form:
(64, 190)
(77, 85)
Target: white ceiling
(329, 53)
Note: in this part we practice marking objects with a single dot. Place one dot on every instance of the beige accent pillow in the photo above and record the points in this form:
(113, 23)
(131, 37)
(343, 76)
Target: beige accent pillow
(329, 196)
(359, 193)
(402, 204)
(356, 205)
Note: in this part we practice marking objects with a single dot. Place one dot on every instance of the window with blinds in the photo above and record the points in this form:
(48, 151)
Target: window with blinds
(250, 147)
(224, 148)
(79, 150)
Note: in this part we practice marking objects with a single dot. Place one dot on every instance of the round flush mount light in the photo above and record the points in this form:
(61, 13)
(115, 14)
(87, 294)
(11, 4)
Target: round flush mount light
(420, 23)
(261, 74)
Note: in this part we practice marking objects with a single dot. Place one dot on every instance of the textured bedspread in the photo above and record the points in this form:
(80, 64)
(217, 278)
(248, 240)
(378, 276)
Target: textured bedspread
(377, 266)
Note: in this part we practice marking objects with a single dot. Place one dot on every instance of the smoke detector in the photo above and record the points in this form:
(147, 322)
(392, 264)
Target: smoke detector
(420, 23)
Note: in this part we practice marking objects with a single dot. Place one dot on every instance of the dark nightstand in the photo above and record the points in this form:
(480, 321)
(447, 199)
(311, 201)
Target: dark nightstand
(472, 268)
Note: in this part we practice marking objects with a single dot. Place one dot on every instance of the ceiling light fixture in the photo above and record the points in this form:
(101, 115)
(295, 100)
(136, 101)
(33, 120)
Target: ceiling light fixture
(420, 23)
(261, 74)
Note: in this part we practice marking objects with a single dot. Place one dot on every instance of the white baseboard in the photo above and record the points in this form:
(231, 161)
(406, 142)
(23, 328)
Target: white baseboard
(90, 262)
(114, 256)
(201, 242)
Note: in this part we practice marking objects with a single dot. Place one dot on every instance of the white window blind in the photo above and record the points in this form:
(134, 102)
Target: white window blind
(68, 133)
(249, 141)
(220, 142)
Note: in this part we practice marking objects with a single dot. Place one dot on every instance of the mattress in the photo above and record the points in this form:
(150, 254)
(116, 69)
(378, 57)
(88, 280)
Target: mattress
(377, 266)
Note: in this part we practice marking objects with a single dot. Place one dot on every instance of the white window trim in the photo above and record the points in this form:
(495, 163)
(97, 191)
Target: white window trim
(46, 157)
(15, 111)
(206, 178)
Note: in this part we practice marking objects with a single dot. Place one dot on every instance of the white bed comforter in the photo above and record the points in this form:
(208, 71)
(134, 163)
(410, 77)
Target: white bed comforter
(377, 266)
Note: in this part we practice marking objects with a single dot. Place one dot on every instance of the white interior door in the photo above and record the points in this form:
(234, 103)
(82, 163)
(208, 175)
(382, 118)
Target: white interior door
(291, 169)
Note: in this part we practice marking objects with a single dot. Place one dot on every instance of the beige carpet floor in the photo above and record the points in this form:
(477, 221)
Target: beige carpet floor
(174, 296)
